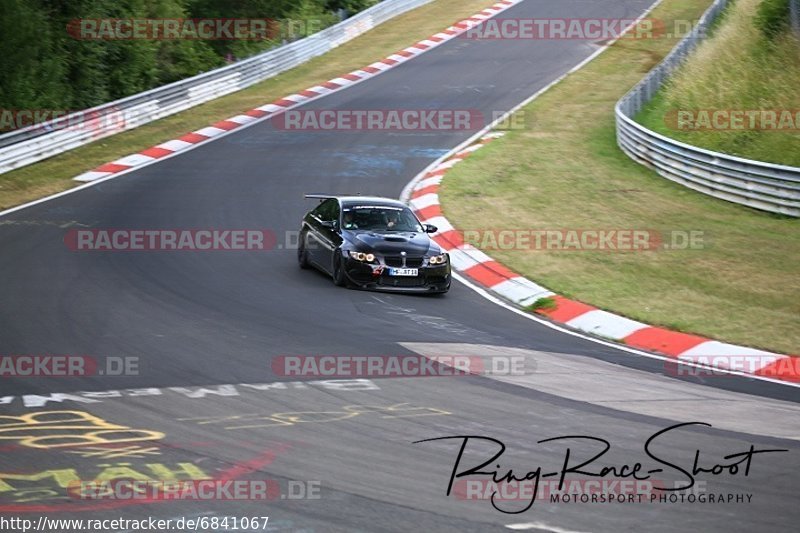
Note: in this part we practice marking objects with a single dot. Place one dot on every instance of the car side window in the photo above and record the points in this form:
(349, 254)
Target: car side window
(334, 211)
(328, 210)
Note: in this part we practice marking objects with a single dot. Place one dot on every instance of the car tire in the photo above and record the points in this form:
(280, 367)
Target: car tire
(302, 254)
(339, 277)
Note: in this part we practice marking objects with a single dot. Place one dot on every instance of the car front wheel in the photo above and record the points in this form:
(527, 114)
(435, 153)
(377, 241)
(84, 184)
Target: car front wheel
(302, 254)
(339, 277)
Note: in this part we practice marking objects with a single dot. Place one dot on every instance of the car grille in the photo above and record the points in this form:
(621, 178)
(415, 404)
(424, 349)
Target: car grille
(397, 261)
(401, 282)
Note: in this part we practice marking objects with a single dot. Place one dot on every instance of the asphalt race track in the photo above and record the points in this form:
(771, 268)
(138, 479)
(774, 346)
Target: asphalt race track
(207, 326)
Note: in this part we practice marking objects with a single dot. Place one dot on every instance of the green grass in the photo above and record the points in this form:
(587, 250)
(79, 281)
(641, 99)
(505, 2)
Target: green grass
(738, 68)
(542, 304)
(565, 171)
(55, 174)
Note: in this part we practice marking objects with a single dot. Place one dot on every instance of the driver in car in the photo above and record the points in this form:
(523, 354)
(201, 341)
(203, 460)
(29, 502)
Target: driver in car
(392, 220)
(349, 221)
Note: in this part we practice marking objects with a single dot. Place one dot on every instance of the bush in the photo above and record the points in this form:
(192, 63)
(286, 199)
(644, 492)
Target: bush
(45, 66)
(772, 17)
(351, 6)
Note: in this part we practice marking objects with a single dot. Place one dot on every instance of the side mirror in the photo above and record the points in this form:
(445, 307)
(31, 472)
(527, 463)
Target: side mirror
(430, 228)
(330, 224)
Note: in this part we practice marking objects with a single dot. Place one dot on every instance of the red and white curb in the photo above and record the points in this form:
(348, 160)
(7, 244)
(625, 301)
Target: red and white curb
(267, 111)
(510, 286)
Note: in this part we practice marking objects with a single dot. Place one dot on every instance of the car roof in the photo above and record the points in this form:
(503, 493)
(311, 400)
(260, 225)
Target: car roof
(352, 201)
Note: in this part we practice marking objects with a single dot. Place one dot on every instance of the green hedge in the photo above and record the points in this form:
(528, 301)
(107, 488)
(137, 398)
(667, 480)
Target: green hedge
(45, 67)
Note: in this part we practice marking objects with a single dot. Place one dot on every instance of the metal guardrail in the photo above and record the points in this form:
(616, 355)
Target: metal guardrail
(34, 143)
(756, 184)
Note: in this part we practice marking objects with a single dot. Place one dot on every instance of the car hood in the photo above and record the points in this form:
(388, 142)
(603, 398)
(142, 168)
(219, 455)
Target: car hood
(392, 243)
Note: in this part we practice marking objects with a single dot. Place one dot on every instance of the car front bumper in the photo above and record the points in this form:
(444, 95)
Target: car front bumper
(431, 279)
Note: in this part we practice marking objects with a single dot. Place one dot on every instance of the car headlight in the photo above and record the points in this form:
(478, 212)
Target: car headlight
(438, 259)
(361, 256)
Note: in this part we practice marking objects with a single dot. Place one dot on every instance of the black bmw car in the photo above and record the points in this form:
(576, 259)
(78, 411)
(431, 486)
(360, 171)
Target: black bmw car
(372, 243)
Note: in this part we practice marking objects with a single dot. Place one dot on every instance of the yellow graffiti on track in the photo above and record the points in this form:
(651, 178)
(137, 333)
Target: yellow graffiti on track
(55, 484)
(259, 420)
(134, 452)
(62, 429)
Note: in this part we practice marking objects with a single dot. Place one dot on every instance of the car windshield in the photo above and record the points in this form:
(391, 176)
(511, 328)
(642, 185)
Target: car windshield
(380, 218)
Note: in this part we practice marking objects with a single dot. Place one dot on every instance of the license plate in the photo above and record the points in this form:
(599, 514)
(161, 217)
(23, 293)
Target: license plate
(411, 272)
